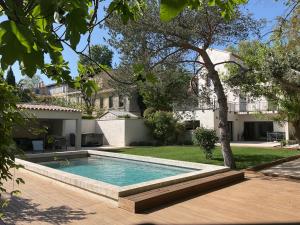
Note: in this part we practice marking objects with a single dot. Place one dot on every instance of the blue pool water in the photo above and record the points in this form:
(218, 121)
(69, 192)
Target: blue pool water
(120, 172)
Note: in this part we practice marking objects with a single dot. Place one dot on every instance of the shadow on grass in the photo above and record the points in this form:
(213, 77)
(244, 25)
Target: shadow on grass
(26, 211)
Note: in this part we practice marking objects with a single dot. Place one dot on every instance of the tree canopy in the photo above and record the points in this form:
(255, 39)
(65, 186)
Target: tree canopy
(183, 40)
(10, 77)
(99, 53)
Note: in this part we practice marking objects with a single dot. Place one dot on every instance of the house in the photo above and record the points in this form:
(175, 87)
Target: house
(249, 119)
(107, 98)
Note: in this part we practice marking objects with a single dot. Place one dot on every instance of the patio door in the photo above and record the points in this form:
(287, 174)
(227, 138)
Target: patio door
(257, 131)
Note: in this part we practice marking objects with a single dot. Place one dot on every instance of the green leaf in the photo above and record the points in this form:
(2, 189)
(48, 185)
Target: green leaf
(76, 25)
(171, 8)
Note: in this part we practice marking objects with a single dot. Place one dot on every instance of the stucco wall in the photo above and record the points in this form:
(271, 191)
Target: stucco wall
(122, 132)
(136, 131)
(113, 131)
(69, 126)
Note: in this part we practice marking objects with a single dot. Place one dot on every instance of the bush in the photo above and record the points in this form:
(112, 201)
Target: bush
(207, 139)
(148, 112)
(164, 127)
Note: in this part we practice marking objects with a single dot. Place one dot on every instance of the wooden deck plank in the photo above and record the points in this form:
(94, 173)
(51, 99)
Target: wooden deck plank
(153, 198)
(259, 199)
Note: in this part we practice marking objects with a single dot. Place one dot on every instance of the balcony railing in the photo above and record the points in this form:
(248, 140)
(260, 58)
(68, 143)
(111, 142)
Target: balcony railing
(258, 106)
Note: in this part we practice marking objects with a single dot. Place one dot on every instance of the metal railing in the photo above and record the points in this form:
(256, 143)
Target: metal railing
(257, 106)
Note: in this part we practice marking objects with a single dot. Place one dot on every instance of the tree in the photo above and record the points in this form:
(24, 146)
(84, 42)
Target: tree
(206, 139)
(98, 55)
(9, 117)
(165, 88)
(101, 54)
(171, 8)
(163, 126)
(30, 83)
(169, 88)
(87, 86)
(10, 77)
(272, 70)
(188, 36)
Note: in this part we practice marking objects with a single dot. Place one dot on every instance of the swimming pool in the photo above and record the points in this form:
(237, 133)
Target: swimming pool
(114, 175)
(120, 172)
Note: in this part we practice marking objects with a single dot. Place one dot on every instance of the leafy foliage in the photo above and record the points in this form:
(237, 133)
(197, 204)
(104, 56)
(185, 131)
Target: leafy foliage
(164, 127)
(207, 139)
(169, 88)
(171, 8)
(99, 53)
(87, 86)
(272, 70)
(34, 28)
(9, 117)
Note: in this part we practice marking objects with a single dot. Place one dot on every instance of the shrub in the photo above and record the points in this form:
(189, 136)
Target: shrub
(207, 139)
(148, 112)
(163, 126)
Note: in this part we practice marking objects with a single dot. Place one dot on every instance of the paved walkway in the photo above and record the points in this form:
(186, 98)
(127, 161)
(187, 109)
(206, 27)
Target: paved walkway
(288, 169)
(259, 199)
(257, 144)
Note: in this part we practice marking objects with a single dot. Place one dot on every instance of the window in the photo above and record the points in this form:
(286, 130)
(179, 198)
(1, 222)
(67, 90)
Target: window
(101, 103)
(121, 101)
(192, 124)
(110, 102)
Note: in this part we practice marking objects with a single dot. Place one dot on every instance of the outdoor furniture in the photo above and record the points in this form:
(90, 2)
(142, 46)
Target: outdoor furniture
(59, 142)
(38, 145)
(275, 136)
(91, 139)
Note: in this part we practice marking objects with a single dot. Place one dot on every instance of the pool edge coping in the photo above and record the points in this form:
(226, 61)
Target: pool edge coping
(114, 191)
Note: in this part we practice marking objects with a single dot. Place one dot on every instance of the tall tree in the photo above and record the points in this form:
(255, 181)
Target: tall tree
(166, 88)
(87, 86)
(89, 71)
(187, 38)
(10, 77)
(30, 83)
(99, 53)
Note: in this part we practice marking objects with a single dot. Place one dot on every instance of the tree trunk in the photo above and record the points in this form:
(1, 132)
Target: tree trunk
(223, 111)
(296, 125)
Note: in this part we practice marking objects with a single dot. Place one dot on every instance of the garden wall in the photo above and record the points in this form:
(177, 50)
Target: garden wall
(116, 132)
(123, 132)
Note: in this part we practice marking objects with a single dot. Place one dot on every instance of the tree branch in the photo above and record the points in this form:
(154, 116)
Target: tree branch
(232, 62)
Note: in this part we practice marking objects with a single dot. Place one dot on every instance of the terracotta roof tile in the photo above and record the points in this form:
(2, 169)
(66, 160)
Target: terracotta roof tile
(46, 107)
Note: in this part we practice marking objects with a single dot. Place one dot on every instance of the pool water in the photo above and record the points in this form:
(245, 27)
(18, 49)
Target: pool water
(120, 172)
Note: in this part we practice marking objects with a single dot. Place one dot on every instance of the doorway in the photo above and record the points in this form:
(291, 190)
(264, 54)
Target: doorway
(257, 131)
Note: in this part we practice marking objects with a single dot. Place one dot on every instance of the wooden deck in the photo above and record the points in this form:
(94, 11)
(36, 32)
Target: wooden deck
(160, 196)
(257, 200)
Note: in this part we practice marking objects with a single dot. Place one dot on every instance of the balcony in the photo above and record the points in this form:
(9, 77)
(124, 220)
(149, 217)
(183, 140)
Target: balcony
(258, 106)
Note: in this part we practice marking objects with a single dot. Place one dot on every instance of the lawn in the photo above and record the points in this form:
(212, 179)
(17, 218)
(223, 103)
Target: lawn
(245, 156)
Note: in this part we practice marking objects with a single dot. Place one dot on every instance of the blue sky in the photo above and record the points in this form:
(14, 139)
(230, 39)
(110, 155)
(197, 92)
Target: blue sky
(268, 9)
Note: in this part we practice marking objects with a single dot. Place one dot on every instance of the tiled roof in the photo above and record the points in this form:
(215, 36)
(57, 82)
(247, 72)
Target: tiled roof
(119, 113)
(46, 107)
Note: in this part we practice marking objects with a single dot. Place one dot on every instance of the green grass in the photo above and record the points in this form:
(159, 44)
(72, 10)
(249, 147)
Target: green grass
(245, 156)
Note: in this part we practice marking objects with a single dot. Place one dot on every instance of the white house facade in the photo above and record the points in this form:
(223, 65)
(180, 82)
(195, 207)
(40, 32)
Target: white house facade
(249, 119)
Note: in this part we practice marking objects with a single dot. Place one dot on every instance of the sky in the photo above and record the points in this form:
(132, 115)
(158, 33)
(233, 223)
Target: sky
(261, 9)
